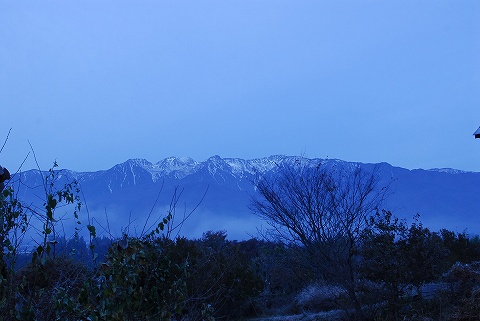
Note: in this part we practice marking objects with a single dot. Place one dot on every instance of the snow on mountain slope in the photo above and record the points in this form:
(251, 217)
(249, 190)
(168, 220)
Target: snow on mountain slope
(445, 198)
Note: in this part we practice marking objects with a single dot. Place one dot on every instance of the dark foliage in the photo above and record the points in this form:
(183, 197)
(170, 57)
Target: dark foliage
(398, 272)
(398, 258)
(221, 275)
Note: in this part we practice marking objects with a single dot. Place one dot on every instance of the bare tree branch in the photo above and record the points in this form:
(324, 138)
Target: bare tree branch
(323, 209)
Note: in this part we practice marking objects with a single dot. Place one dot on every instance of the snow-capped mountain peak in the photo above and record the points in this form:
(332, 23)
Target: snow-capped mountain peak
(179, 167)
(445, 198)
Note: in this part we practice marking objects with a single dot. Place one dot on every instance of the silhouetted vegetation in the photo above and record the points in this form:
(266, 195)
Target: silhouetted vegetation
(397, 271)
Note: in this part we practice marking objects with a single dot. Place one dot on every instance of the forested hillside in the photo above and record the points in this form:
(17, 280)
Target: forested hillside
(330, 253)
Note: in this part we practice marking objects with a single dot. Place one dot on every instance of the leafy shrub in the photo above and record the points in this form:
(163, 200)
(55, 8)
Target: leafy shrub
(464, 291)
(220, 279)
(41, 288)
(138, 281)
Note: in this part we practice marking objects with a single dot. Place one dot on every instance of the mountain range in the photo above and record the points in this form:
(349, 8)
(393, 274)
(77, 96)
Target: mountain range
(131, 196)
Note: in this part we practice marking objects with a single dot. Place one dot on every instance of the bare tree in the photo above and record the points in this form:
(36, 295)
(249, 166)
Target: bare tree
(322, 209)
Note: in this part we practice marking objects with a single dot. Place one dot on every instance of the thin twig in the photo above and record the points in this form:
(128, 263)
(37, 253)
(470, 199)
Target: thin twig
(187, 216)
(38, 167)
(153, 207)
(103, 228)
(108, 223)
(6, 139)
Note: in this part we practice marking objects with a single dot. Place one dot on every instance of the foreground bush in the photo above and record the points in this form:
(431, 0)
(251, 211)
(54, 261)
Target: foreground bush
(220, 276)
(138, 281)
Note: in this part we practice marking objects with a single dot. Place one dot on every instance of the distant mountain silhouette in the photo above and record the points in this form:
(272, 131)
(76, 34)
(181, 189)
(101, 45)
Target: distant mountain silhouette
(128, 192)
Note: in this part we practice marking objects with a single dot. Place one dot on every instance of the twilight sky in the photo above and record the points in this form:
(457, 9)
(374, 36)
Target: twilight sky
(93, 83)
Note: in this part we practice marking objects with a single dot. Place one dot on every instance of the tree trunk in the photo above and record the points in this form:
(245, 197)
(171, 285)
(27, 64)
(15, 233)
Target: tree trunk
(359, 315)
(394, 301)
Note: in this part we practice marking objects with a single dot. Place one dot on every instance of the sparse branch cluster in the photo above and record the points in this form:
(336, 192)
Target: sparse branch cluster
(323, 209)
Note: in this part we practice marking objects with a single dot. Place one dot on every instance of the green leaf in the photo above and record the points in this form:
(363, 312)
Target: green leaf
(92, 230)
(52, 203)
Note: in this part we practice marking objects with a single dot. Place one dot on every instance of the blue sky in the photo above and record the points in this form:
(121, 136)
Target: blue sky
(93, 83)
